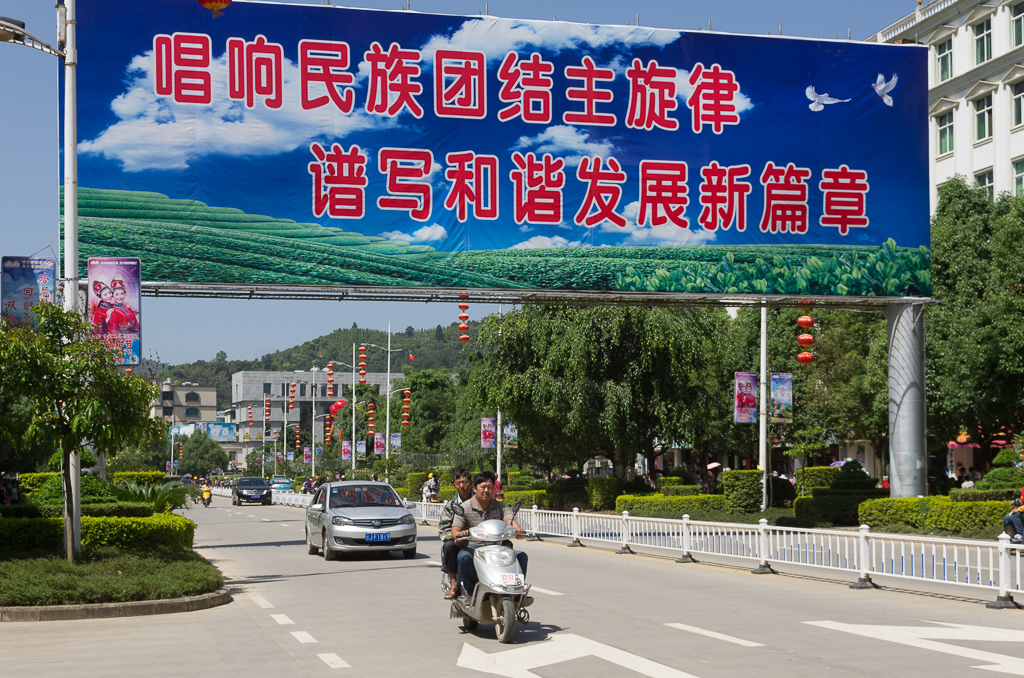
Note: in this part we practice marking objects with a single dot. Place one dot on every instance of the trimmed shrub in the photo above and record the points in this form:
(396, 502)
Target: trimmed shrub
(602, 492)
(30, 482)
(669, 481)
(530, 498)
(873, 493)
(959, 516)
(681, 490)
(32, 534)
(359, 474)
(95, 490)
(447, 493)
(1007, 457)
(514, 477)
(121, 509)
(743, 490)
(783, 492)
(163, 529)
(140, 477)
(815, 476)
(889, 511)
(404, 493)
(971, 494)
(414, 481)
(835, 509)
(1001, 477)
(660, 506)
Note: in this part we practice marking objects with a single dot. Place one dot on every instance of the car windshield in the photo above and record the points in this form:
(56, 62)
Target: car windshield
(253, 483)
(363, 495)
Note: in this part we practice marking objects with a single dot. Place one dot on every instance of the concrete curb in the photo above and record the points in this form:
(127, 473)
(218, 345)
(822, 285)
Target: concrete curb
(114, 610)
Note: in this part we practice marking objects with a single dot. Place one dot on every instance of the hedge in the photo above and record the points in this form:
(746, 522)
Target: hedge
(530, 498)
(140, 477)
(971, 494)
(815, 476)
(404, 493)
(446, 493)
(414, 481)
(30, 482)
(668, 481)
(873, 493)
(660, 505)
(835, 509)
(95, 490)
(116, 509)
(958, 516)
(743, 490)
(602, 492)
(162, 529)
(514, 476)
(681, 490)
(881, 512)
(999, 478)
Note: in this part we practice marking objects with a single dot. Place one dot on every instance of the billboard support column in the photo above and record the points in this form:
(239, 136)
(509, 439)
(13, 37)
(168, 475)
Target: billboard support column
(762, 409)
(907, 449)
(70, 160)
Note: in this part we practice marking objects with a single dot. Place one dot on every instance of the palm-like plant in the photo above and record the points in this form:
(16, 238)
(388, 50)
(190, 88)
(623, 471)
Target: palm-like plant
(164, 498)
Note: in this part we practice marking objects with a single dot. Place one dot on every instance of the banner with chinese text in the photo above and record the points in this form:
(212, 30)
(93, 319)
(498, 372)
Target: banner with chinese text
(745, 410)
(503, 153)
(24, 282)
(346, 449)
(360, 449)
(510, 436)
(487, 433)
(378, 443)
(396, 441)
(782, 398)
(115, 296)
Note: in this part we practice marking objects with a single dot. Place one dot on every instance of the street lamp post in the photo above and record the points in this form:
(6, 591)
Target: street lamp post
(387, 389)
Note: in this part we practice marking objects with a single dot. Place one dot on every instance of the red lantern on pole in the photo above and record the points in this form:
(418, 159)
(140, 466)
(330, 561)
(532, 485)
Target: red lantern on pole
(805, 321)
(805, 340)
(805, 358)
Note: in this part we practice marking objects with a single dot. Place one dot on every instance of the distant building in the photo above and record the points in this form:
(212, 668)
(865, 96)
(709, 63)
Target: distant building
(185, 403)
(975, 89)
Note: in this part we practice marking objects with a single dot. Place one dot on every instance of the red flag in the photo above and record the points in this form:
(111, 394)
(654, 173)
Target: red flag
(412, 357)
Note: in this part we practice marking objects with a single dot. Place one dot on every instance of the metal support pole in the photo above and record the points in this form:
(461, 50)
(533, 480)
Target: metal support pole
(533, 536)
(1004, 600)
(353, 410)
(387, 409)
(686, 557)
(575, 527)
(864, 561)
(312, 427)
(762, 547)
(907, 450)
(625, 534)
(762, 413)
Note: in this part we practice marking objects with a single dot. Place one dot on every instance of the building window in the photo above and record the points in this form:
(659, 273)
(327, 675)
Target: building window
(985, 181)
(167, 395)
(1018, 177)
(983, 41)
(302, 390)
(944, 55)
(191, 397)
(323, 390)
(1018, 24)
(945, 133)
(191, 411)
(983, 118)
(168, 411)
(1018, 104)
(266, 388)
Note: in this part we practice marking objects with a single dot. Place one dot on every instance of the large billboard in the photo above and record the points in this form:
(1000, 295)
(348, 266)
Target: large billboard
(298, 144)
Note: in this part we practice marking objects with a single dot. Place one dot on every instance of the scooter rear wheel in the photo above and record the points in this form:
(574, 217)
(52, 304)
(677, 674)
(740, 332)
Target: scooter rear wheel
(505, 628)
(469, 624)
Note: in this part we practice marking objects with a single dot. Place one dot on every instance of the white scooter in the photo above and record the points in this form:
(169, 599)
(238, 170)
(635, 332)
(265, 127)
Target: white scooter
(502, 594)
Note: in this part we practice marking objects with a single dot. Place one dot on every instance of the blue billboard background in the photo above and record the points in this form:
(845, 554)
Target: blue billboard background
(231, 126)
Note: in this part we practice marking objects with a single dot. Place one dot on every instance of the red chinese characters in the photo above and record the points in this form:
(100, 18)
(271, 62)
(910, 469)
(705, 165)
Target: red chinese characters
(405, 168)
(663, 193)
(254, 69)
(460, 84)
(652, 96)
(339, 181)
(474, 185)
(182, 63)
(845, 198)
(538, 188)
(525, 85)
(589, 94)
(325, 64)
(712, 100)
(604, 190)
(785, 198)
(724, 196)
(392, 84)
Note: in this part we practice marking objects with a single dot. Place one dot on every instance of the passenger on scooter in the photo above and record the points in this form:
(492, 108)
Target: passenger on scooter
(481, 506)
(449, 548)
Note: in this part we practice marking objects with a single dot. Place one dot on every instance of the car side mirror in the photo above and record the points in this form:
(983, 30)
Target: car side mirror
(407, 503)
(316, 507)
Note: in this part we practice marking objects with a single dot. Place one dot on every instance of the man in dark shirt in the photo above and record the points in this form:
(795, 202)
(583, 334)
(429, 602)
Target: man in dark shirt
(480, 507)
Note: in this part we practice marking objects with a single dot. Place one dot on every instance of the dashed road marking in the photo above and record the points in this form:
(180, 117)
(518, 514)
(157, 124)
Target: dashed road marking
(251, 516)
(266, 520)
(545, 591)
(281, 619)
(260, 600)
(334, 661)
(715, 634)
(303, 637)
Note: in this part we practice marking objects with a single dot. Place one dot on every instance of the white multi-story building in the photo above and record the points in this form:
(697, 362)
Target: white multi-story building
(975, 89)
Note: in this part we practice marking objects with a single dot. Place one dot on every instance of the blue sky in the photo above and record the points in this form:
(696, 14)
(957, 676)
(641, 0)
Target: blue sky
(192, 329)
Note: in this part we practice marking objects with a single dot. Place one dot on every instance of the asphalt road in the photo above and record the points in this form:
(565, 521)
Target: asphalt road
(596, 614)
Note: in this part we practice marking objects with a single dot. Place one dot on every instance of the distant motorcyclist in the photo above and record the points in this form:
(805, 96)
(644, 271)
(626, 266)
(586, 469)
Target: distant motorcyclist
(449, 547)
(430, 488)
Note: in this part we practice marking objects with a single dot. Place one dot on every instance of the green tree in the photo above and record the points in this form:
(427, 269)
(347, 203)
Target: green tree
(77, 393)
(150, 455)
(201, 454)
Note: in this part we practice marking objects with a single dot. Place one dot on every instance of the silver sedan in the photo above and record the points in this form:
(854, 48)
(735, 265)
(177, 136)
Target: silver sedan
(359, 516)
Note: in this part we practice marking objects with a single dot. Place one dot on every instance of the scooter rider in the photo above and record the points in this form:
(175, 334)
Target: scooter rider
(482, 506)
(449, 547)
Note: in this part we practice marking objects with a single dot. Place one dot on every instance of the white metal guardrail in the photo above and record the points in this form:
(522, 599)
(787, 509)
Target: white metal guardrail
(995, 566)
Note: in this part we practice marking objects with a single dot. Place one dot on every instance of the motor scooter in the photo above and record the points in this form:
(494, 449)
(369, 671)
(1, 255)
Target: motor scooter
(502, 594)
(207, 497)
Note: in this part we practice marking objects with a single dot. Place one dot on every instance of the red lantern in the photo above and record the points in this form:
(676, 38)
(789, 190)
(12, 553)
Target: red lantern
(362, 349)
(464, 338)
(805, 321)
(362, 364)
(805, 358)
(407, 393)
(370, 419)
(405, 408)
(805, 340)
(215, 6)
(127, 370)
(405, 423)
(463, 328)
(362, 373)
(362, 381)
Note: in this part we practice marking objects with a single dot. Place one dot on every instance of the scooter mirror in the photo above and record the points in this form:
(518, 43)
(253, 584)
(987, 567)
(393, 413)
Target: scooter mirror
(515, 507)
(457, 509)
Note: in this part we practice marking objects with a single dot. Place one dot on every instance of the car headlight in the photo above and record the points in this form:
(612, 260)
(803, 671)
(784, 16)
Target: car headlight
(496, 555)
(342, 520)
(407, 519)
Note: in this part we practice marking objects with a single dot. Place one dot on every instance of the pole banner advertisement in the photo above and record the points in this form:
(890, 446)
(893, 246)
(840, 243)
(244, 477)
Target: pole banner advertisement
(346, 449)
(396, 441)
(378, 443)
(745, 411)
(24, 282)
(503, 153)
(360, 449)
(280, 455)
(510, 436)
(115, 296)
(487, 433)
(307, 455)
(291, 455)
(782, 398)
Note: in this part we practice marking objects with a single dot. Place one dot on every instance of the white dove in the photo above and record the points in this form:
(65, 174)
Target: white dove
(882, 88)
(818, 101)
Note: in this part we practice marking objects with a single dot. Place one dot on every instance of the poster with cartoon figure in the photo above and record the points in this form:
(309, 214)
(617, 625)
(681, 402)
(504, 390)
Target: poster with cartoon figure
(745, 407)
(114, 305)
(782, 398)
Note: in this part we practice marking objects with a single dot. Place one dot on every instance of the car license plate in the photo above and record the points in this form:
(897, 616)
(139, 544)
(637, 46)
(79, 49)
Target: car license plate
(378, 536)
(255, 496)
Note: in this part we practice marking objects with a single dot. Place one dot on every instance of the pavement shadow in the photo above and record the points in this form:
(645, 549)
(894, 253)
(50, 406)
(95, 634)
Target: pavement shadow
(534, 632)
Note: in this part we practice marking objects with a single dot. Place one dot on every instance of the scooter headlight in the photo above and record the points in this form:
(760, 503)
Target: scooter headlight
(479, 533)
(497, 556)
(509, 533)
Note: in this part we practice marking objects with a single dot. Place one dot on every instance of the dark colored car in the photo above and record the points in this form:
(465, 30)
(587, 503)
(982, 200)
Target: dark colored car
(246, 489)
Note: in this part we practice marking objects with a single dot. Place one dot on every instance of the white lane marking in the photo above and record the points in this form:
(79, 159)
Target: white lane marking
(715, 634)
(266, 520)
(558, 648)
(284, 525)
(432, 562)
(260, 600)
(545, 591)
(281, 619)
(251, 516)
(303, 637)
(334, 661)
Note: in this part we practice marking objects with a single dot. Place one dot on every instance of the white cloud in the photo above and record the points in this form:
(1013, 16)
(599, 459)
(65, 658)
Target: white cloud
(545, 242)
(158, 133)
(684, 89)
(525, 228)
(666, 234)
(570, 143)
(432, 233)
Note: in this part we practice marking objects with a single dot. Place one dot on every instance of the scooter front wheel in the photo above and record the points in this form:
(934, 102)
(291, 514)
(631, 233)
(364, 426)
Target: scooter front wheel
(469, 624)
(505, 628)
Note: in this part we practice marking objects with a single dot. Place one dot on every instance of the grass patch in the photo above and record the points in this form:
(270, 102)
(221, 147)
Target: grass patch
(104, 575)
